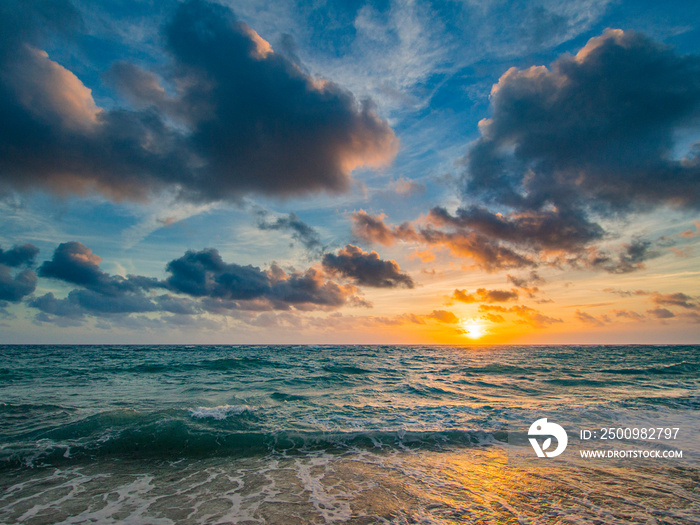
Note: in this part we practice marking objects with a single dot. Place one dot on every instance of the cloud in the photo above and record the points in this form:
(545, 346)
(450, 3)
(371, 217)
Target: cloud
(75, 263)
(534, 318)
(494, 318)
(674, 299)
(366, 268)
(485, 252)
(239, 119)
(19, 255)
(372, 229)
(205, 274)
(81, 302)
(689, 234)
(14, 288)
(198, 282)
(493, 308)
(50, 91)
(629, 314)
(678, 299)
(661, 313)
(301, 232)
(443, 316)
(625, 293)
(690, 317)
(526, 315)
(589, 138)
(406, 187)
(588, 318)
(483, 295)
(576, 140)
(541, 229)
(629, 257)
(528, 282)
(598, 126)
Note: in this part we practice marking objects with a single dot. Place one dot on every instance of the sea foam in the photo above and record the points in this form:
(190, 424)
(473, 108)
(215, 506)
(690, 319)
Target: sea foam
(219, 412)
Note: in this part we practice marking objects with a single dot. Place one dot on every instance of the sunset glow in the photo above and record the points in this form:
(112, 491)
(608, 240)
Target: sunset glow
(473, 329)
(397, 261)
(243, 174)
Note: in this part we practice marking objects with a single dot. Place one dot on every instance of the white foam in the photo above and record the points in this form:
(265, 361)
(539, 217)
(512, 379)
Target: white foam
(220, 412)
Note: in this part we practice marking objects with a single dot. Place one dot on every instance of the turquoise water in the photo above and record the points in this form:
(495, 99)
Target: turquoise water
(348, 434)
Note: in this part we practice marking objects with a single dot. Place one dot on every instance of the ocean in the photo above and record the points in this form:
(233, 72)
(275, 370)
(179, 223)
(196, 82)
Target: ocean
(345, 434)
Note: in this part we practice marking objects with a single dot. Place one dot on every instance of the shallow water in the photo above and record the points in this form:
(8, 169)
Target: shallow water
(355, 434)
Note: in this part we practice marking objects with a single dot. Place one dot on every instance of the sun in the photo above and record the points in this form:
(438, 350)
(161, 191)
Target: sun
(473, 329)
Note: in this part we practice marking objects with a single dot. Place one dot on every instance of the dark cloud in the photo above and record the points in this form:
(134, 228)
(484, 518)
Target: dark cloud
(28, 21)
(528, 282)
(629, 257)
(690, 317)
(661, 313)
(495, 242)
(629, 314)
(208, 283)
(81, 302)
(371, 228)
(300, 231)
(310, 288)
(74, 263)
(482, 295)
(366, 268)
(205, 274)
(240, 118)
(678, 299)
(541, 230)
(595, 127)
(674, 299)
(625, 293)
(591, 137)
(23, 255)
(14, 288)
(100, 294)
(49, 304)
(486, 252)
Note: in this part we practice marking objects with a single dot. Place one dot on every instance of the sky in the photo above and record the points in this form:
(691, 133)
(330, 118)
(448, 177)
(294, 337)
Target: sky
(392, 172)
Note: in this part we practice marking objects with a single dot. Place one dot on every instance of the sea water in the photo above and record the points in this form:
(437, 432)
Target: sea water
(337, 434)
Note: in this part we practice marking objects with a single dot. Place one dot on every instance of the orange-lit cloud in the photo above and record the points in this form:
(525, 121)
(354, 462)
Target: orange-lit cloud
(482, 295)
(50, 91)
(689, 234)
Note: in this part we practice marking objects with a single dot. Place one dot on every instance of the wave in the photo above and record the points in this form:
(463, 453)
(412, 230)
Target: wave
(199, 432)
(501, 369)
(281, 396)
(220, 412)
(676, 402)
(346, 369)
(681, 368)
(25, 408)
(219, 364)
